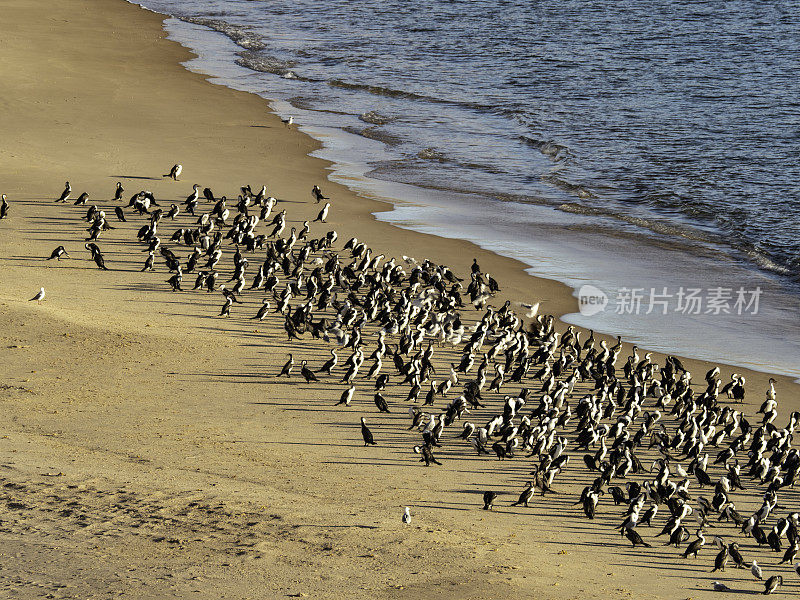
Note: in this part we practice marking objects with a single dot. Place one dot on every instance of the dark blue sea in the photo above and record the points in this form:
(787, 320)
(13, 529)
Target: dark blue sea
(650, 145)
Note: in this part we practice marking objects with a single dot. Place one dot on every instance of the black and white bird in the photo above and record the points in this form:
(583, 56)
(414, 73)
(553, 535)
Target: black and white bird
(323, 214)
(174, 172)
(38, 297)
(347, 396)
(288, 122)
(96, 255)
(488, 499)
(3, 206)
(318, 195)
(307, 373)
(58, 253)
(65, 194)
(407, 516)
(771, 584)
(118, 192)
(369, 440)
(287, 367)
(262, 312)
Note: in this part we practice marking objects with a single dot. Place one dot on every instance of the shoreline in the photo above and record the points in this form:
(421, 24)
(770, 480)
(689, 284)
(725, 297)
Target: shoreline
(565, 240)
(149, 449)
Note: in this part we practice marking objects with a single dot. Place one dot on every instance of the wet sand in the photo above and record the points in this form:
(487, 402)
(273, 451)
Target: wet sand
(148, 450)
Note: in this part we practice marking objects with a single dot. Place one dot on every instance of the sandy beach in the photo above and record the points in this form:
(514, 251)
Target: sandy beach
(148, 449)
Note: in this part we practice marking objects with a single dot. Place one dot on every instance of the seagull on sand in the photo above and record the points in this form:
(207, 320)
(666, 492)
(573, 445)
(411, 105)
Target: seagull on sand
(720, 587)
(38, 297)
(407, 516)
(756, 571)
(175, 172)
(288, 122)
(533, 309)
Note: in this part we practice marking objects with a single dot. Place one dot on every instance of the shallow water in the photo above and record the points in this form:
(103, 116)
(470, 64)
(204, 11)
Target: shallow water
(664, 158)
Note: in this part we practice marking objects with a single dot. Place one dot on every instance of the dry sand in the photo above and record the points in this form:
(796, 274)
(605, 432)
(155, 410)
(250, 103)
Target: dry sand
(147, 450)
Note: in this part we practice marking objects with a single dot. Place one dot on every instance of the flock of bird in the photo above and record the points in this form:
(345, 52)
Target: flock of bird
(391, 317)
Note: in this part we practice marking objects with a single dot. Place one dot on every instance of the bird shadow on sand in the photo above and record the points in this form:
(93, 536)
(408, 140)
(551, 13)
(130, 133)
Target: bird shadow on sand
(135, 177)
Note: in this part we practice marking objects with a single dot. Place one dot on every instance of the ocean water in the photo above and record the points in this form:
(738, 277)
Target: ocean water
(648, 146)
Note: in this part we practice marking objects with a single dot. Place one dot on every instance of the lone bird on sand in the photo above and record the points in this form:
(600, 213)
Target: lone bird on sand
(175, 172)
(288, 122)
(318, 195)
(407, 516)
(488, 499)
(720, 587)
(323, 214)
(58, 253)
(38, 297)
(367, 434)
(3, 207)
(118, 191)
(65, 194)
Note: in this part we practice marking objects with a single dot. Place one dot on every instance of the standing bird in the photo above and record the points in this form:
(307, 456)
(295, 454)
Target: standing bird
(318, 195)
(119, 213)
(307, 373)
(380, 402)
(525, 496)
(288, 122)
(65, 194)
(488, 499)
(3, 207)
(721, 559)
(634, 537)
(225, 311)
(148, 263)
(756, 571)
(262, 312)
(118, 191)
(323, 214)
(174, 172)
(369, 440)
(695, 546)
(97, 255)
(407, 516)
(38, 297)
(58, 253)
(287, 367)
(347, 396)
